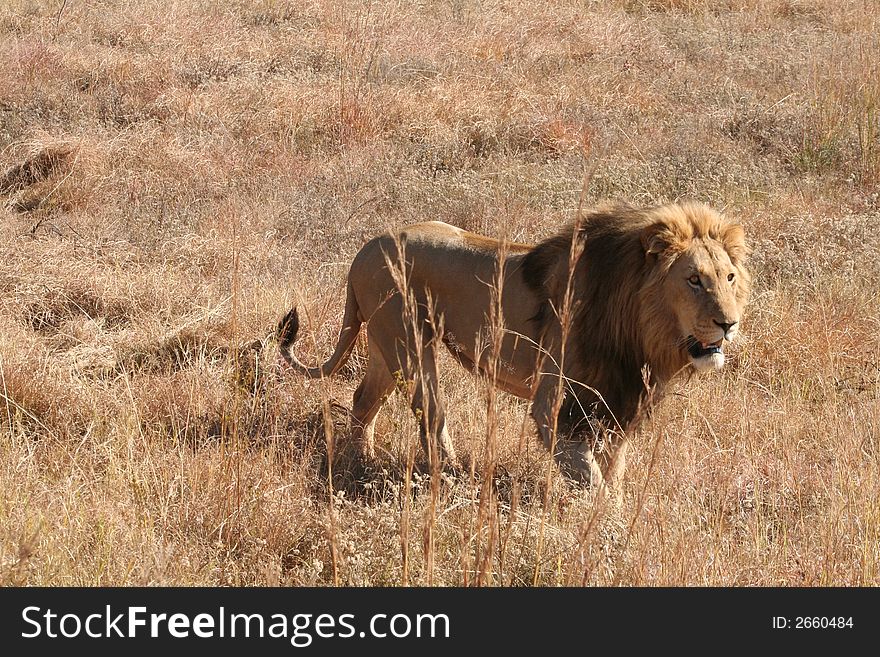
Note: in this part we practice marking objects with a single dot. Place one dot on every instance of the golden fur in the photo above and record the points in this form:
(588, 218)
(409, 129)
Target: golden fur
(653, 292)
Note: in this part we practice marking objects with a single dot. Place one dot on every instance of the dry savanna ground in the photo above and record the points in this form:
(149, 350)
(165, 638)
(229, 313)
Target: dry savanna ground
(175, 174)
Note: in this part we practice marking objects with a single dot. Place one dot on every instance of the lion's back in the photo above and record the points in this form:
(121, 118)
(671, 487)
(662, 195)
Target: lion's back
(433, 244)
(447, 260)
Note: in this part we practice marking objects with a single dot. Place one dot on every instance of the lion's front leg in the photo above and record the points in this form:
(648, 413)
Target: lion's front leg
(601, 466)
(573, 457)
(611, 460)
(597, 463)
(576, 459)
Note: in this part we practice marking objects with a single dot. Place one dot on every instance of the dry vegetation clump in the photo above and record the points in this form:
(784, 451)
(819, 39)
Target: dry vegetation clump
(174, 176)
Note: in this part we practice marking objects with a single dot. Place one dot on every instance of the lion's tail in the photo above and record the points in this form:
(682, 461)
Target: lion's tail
(288, 327)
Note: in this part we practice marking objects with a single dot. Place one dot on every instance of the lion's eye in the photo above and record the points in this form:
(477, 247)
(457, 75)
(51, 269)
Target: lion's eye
(694, 281)
(730, 277)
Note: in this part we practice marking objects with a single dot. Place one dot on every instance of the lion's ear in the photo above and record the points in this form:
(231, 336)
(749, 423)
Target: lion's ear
(734, 240)
(657, 238)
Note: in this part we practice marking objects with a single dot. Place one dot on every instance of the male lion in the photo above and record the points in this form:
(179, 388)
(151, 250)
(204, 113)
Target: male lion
(594, 322)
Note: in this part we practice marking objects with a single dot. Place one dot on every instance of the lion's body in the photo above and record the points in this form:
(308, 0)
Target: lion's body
(444, 257)
(631, 329)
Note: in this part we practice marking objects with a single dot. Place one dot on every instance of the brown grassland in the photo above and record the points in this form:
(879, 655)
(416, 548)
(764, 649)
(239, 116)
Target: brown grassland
(176, 174)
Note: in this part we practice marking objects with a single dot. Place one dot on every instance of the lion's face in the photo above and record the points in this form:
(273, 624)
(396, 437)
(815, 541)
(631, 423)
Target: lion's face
(706, 290)
(705, 284)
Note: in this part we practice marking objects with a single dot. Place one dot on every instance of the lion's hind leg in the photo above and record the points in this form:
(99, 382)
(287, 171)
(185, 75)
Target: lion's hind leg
(428, 409)
(377, 384)
(408, 348)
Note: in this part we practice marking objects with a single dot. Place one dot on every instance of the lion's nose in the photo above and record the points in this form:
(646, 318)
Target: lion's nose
(725, 326)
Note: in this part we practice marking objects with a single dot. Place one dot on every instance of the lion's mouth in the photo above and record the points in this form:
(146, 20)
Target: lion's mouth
(699, 349)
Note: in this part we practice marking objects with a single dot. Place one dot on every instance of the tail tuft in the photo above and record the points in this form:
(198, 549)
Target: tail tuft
(288, 327)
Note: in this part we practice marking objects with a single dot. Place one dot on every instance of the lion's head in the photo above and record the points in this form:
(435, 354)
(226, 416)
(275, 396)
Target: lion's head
(656, 290)
(700, 285)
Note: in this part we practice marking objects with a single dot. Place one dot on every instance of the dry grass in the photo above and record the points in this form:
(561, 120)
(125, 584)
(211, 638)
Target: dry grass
(174, 175)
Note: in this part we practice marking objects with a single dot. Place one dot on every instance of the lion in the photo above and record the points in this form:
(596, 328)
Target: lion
(590, 325)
